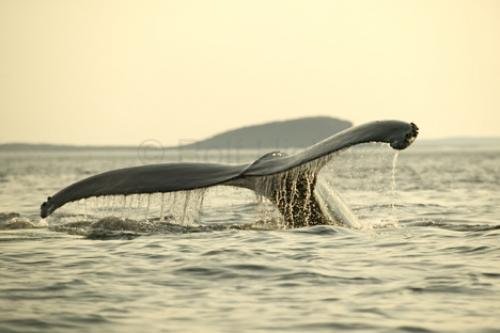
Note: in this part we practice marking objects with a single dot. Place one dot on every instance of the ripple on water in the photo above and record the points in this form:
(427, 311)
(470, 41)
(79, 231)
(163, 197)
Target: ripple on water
(436, 272)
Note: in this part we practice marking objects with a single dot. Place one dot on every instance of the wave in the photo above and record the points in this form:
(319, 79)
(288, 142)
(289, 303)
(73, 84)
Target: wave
(14, 220)
(454, 225)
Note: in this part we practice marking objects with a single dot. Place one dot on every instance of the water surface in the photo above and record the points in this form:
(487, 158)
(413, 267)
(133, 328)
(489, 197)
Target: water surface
(425, 257)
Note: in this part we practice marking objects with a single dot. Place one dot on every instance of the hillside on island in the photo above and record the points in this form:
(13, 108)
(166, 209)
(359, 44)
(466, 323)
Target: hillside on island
(298, 133)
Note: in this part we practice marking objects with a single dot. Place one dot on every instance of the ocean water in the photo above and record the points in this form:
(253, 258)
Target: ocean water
(422, 256)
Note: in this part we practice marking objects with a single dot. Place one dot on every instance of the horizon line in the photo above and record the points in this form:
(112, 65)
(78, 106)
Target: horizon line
(91, 145)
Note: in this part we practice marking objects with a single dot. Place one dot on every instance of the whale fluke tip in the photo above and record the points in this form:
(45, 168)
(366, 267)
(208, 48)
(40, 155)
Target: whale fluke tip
(407, 139)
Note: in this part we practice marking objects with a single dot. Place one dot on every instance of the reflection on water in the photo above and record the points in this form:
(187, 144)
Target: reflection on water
(420, 253)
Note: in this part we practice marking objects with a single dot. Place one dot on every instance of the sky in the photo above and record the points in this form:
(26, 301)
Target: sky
(118, 72)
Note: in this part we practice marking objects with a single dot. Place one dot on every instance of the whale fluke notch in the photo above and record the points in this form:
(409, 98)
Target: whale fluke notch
(289, 179)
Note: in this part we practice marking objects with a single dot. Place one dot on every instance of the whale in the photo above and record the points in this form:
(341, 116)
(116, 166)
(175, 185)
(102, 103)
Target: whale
(288, 181)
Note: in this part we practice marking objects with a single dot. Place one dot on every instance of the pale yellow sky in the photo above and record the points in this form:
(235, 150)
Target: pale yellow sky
(120, 72)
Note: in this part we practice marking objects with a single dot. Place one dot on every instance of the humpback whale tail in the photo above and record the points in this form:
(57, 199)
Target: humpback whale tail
(288, 181)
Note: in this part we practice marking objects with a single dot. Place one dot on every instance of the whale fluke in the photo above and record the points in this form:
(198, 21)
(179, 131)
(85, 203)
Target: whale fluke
(287, 180)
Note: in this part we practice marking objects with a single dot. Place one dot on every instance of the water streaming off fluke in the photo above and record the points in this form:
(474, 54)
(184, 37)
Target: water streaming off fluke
(300, 196)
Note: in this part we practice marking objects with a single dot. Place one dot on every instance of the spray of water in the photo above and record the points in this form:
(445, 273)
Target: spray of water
(293, 193)
(162, 207)
(334, 206)
(181, 207)
(393, 186)
(301, 196)
(344, 175)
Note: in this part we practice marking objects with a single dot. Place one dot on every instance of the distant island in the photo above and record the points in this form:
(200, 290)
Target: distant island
(296, 133)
